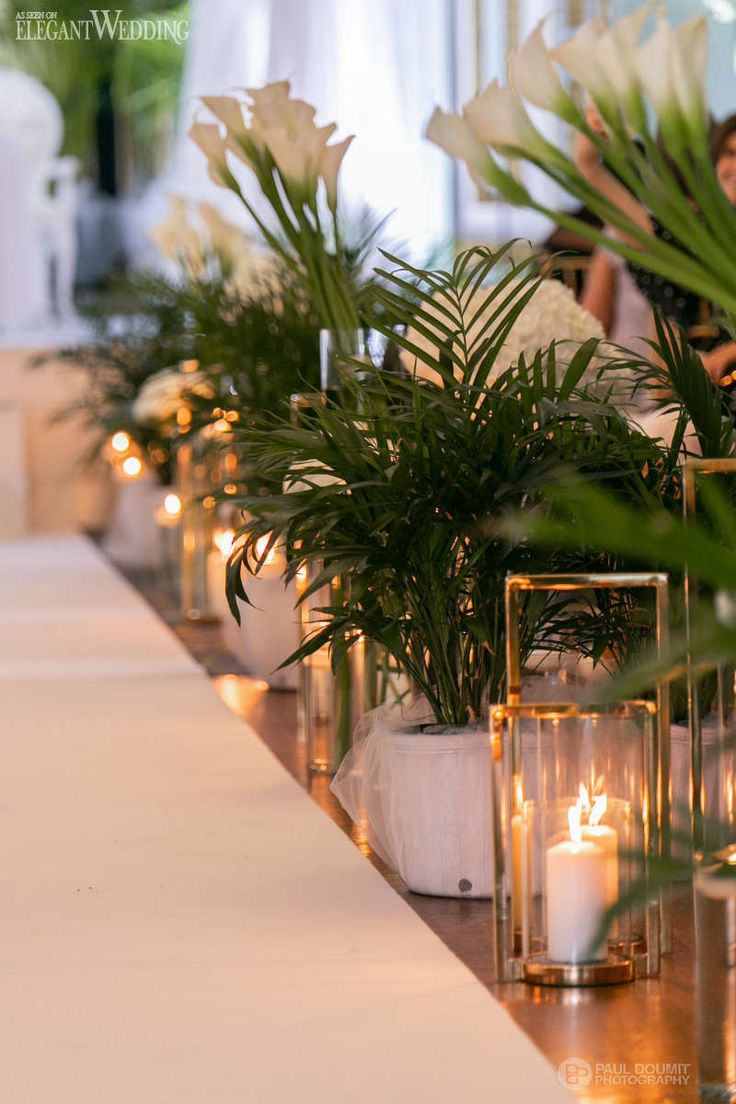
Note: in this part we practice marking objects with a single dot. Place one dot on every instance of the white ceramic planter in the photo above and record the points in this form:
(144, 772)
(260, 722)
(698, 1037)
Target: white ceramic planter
(268, 631)
(133, 539)
(438, 808)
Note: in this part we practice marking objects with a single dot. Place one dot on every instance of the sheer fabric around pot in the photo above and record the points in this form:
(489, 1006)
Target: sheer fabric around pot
(421, 795)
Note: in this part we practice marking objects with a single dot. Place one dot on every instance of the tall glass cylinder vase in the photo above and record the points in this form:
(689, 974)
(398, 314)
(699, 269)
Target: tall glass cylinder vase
(338, 352)
(195, 486)
(715, 933)
(710, 697)
(329, 704)
(326, 694)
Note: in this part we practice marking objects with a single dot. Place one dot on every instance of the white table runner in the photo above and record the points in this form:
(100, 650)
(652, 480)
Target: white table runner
(179, 922)
(65, 612)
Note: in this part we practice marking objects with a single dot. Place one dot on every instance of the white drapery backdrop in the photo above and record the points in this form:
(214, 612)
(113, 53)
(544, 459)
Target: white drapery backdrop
(376, 67)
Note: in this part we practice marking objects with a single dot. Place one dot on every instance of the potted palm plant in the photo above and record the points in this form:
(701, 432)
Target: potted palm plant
(401, 497)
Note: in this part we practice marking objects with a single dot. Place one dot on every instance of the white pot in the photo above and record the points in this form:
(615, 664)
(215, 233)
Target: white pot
(133, 539)
(268, 631)
(439, 808)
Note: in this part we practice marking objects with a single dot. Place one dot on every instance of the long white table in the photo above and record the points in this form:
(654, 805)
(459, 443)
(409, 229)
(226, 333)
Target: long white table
(179, 922)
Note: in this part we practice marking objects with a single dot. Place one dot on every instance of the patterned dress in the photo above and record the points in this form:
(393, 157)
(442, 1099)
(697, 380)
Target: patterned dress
(684, 308)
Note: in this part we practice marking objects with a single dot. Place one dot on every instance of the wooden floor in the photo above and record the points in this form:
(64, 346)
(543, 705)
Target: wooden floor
(627, 1034)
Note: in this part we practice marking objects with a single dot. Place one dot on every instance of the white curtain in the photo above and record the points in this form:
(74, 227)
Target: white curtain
(376, 67)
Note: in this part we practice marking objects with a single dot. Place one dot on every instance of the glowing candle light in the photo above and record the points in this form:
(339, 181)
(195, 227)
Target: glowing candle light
(172, 505)
(132, 467)
(604, 836)
(225, 541)
(120, 441)
(577, 895)
(265, 559)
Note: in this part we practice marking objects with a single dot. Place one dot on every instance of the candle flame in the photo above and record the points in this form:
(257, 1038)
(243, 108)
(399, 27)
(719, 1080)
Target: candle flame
(261, 546)
(574, 814)
(132, 467)
(224, 541)
(120, 441)
(172, 505)
(596, 810)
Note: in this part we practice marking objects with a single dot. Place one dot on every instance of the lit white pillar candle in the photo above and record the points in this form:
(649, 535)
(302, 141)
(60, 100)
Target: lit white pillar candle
(607, 839)
(577, 888)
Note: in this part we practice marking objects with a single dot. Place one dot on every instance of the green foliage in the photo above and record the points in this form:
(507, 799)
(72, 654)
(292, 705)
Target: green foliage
(146, 81)
(678, 383)
(145, 76)
(256, 350)
(403, 496)
(589, 516)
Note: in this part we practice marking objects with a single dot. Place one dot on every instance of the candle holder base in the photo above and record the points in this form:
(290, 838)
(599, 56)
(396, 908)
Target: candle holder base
(198, 617)
(539, 970)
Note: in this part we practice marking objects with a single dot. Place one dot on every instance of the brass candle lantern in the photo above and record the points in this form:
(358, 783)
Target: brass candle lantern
(575, 827)
(658, 584)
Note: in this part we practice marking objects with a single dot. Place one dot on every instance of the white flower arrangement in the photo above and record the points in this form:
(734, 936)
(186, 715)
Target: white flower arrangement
(165, 393)
(204, 245)
(296, 168)
(551, 315)
(642, 90)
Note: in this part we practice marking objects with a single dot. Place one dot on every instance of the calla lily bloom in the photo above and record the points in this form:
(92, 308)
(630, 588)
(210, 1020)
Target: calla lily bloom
(690, 61)
(533, 75)
(453, 134)
(580, 58)
(209, 139)
(329, 167)
(498, 116)
(227, 110)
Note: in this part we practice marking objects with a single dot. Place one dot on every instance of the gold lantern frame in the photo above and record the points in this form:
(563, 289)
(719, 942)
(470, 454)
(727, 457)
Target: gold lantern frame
(519, 955)
(658, 582)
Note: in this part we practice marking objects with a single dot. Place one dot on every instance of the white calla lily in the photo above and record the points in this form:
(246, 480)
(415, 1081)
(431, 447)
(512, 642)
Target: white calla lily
(654, 69)
(269, 102)
(671, 66)
(329, 167)
(227, 110)
(228, 241)
(209, 139)
(533, 75)
(580, 58)
(689, 61)
(616, 53)
(298, 153)
(452, 134)
(498, 116)
(660, 66)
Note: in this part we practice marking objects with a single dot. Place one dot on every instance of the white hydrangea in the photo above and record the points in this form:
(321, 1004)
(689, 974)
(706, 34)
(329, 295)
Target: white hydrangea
(165, 393)
(552, 314)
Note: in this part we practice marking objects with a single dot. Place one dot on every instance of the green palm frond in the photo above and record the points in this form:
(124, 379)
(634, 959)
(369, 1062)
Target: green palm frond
(420, 473)
(678, 383)
(447, 309)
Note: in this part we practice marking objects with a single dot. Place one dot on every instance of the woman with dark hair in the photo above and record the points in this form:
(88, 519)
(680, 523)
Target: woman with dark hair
(682, 307)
